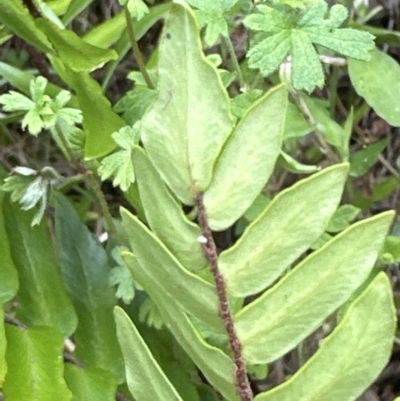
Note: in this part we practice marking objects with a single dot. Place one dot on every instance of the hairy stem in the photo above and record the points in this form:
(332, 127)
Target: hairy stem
(136, 50)
(210, 251)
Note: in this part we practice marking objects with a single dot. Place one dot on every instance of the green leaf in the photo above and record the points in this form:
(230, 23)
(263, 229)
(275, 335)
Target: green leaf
(42, 299)
(247, 160)
(35, 365)
(366, 334)
(342, 218)
(391, 249)
(120, 164)
(140, 366)
(122, 277)
(90, 383)
(16, 17)
(137, 8)
(243, 101)
(299, 215)
(165, 216)
(295, 33)
(296, 125)
(85, 270)
(378, 89)
(214, 363)
(292, 165)
(96, 109)
(363, 160)
(8, 272)
(315, 288)
(194, 295)
(178, 126)
(73, 50)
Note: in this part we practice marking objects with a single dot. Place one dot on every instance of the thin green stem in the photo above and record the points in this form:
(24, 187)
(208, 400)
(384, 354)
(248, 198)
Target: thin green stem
(235, 62)
(136, 50)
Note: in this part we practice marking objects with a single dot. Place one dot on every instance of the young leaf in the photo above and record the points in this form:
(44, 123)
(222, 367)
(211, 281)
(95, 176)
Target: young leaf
(214, 363)
(137, 8)
(365, 334)
(295, 35)
(35, 365)
(317, 287)
(165, 216)
(140, 366)
(8, 272)
(298, 214)
(247, 160)
(90, 383)
(119, 164)
(181, 125)
(42, 299)
(122, 277)
(194, 295)
(342, 218)
(211, 15)
(84, 267)
(43, 112)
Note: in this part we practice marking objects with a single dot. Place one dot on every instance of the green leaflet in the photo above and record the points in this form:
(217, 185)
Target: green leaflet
(351, 358)
(140, 366)
(215, 364)
(42, 299)
(90, 383)
(8, 272)
(379, 89)
(186, 127)
(165, 216)
(247, 160)
(286, 229)
(85, 270)
(35, 365)
(299, 303)
(194, 295)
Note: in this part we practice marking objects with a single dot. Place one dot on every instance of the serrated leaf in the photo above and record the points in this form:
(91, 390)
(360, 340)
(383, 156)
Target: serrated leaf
(194, 295)
(35, 365)
(137, 8)
(84, 266)
(140, 365)
(299, 303)
(365, 334)
(8, 272)
(42, 299)
(298, 214)
(378, 89)
(247, 160)
(90, 383)
(178, 126)
(165, 216)
(214, 363)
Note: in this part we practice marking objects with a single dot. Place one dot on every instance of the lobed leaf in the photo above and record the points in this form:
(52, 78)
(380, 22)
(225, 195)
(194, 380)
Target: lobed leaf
(298, 215)
(247, 160)
(308, 294)
(181, 125)
(140, 366)
(351, 358)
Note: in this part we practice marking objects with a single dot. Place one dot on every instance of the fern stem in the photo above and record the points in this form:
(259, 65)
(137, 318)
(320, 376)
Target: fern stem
(243, 388)
(136, 50)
